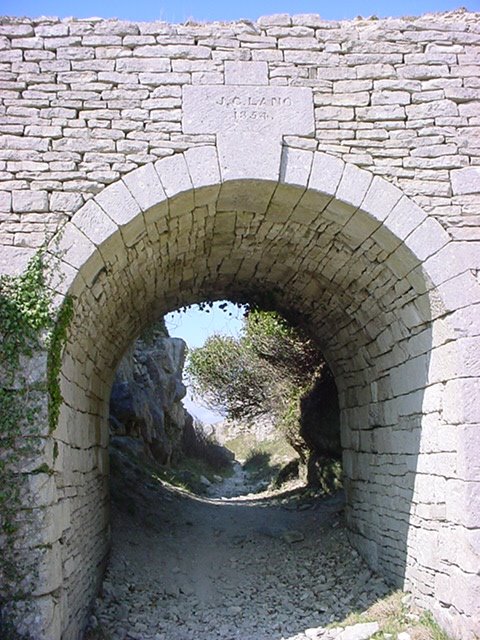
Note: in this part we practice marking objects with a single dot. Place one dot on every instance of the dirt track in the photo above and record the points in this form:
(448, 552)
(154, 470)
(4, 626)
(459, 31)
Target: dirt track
(185, 568)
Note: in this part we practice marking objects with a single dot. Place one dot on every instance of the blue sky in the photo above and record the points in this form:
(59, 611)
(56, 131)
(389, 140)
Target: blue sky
(194, 326)
(182, 10)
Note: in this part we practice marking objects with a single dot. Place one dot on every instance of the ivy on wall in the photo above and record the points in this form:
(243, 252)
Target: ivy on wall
(28, 327)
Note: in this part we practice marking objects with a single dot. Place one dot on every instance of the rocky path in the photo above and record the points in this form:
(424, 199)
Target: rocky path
(185, 568)
(240, 483)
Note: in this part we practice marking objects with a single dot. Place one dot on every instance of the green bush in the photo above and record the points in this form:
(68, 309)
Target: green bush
(276, 370)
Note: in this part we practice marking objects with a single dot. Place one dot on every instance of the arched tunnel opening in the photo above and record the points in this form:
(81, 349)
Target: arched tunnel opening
(351, 296)
(225, 557)
(259, 390)
(261, 384)
(346, 258)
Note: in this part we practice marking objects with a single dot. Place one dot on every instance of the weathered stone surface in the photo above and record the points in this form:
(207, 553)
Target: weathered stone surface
(117, 201)
(94, 222)
(466, 180)
(146, 396)
(364, 219)
(145, 186)
(30, 201)
(266, 110)
(250, 73)
(13, 260)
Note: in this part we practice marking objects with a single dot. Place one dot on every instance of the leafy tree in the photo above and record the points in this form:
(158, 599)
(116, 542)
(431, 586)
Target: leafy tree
(226, 374)
(267, 370)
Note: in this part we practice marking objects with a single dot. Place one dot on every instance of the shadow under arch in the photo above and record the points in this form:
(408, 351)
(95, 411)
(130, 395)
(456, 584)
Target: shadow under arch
(364, 266)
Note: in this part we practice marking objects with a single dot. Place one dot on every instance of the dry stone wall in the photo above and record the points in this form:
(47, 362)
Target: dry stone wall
(169, 153)
(86, 101)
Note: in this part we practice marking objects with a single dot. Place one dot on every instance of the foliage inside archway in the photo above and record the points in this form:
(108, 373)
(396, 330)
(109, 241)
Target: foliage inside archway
(272, 369)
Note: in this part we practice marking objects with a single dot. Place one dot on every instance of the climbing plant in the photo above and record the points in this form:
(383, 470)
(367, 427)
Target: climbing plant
(28, 327)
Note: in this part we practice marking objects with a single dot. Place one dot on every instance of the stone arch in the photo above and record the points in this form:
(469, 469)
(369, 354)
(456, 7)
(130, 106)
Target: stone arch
(381, 286)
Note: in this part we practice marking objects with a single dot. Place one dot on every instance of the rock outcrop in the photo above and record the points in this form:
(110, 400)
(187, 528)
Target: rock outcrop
(260, 429)
(146, 399)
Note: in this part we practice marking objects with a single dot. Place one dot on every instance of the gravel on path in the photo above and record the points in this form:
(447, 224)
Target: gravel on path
(189, 568)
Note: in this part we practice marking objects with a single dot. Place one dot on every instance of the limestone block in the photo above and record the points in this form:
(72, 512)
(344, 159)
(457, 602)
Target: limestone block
(359, 631)
(334, 113)
(145, 186)
(288, 39)
(284, 200)
(42, 490)
(469, 349)
(460, 291)
(5, 201)
(61, 276)
(103, 462)
(353, 185)
(385, 240)
(426, 547)
(380, 199)
(391, 97)
(437, 463)
(272, 111)
(411, 375)
(423, 71)
(275, 20)
(247, 73)
(93, 222)
(160, 79)
(16, 30)
(463, 503)
(14, 259)
(468, 458)
(428, 238)
(68, 202)
(296, 166)
(432, 109)
(358, 227)
(118, 203)
(326, 173)
(452, 359)
(30, 201)
(374, 114)
(375, 70)
(202, 163)
(404, 218)
(257, 158)
(73, 246)
(339, 213)
(172, 51)
(150, 65)
(467, 596)
(466, 321)
(436, 265)
(246, 195)
(465, 181)
(174, 176)
(207, 77)
(49, 567)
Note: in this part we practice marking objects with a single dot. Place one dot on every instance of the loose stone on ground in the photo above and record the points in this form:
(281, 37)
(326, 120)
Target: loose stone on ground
(185, 568)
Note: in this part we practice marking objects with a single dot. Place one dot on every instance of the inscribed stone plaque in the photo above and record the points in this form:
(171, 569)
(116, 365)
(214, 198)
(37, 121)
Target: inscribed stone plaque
(275, 111)
(250, 122)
